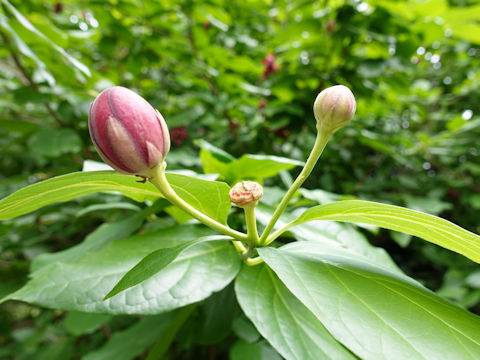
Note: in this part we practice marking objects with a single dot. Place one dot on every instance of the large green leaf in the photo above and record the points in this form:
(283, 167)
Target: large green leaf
(155, 262)
(425, 226)
(332, 233)
(282, 319)
(210, 197)
(82, 284)
(376, 313)
(101, 236)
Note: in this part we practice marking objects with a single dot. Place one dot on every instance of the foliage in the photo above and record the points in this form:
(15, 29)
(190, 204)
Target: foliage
(241, 76)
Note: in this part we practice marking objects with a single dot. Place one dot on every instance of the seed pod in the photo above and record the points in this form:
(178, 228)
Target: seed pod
(128, 133)
(246, 193)
(333, 108)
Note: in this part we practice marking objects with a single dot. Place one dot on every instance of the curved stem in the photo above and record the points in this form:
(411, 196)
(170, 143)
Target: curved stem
(253, 261)
(251, 221)
(320, 143)
(160, 181)
(241, 249)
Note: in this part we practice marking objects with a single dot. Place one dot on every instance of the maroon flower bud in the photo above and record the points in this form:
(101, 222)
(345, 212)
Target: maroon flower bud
(270, 66)
(58, 7)
(178, 134)
(129, 134)
(333, 108)
(246, 193)
(331, 24)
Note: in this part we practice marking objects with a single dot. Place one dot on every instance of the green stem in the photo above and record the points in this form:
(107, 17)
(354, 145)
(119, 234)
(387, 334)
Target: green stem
(320, 143)
(251, 221)
(276, 234)
(160, 181)
(253, 261)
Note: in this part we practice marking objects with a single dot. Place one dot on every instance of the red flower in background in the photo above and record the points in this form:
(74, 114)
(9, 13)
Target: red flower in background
(178, 134)
(270, 66)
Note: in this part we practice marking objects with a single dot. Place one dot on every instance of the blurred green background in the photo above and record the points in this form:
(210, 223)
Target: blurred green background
(241, 75)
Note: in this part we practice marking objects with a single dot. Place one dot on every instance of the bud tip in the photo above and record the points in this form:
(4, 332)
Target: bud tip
(246, 193)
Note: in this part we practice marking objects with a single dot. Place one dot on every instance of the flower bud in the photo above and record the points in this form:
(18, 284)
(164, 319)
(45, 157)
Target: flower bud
(333, 108)
(128, 133)
(246, 193)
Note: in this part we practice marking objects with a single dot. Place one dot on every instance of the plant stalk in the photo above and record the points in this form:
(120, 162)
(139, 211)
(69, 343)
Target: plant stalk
(160, 181)
(251, 221)
(320, 143)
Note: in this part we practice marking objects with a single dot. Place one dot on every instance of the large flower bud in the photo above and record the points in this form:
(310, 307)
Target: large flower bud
(246, 193)
(333, 108)
(129, 134)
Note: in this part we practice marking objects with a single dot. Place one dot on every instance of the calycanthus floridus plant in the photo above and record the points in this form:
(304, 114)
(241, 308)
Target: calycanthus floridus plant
(327, 295)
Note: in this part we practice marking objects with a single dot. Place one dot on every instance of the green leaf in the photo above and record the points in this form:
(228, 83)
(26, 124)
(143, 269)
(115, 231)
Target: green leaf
(54, 142)
(376, 313)
(170, 330)
(330, 233)
(282, 319)
(68, 187)
(242, 350)
(24, 49)
(100, 237)
(79, 323)
(216, 317)
(155, 262)
(216, 152)
(82, 284)
(210, 197)
(244, 329)
(29, 26)
(211, 164)
(132, 342)
(425, 226)
(258, 167)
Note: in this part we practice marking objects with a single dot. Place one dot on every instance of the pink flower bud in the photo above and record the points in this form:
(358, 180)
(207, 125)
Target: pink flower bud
(129, 134)
(246, 193)
(333, 108)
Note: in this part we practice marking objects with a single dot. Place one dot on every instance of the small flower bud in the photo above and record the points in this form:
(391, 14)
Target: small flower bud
(333, 108)
(246, 193)
(128, 133)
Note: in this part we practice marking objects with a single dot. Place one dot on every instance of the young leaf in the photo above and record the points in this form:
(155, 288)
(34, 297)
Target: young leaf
(155, 262)
(82, 284)
(282, 319)
(427, 227)
(210, 197)
(376, 313)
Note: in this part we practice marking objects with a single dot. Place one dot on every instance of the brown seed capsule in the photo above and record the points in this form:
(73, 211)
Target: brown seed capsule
(246, 193)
